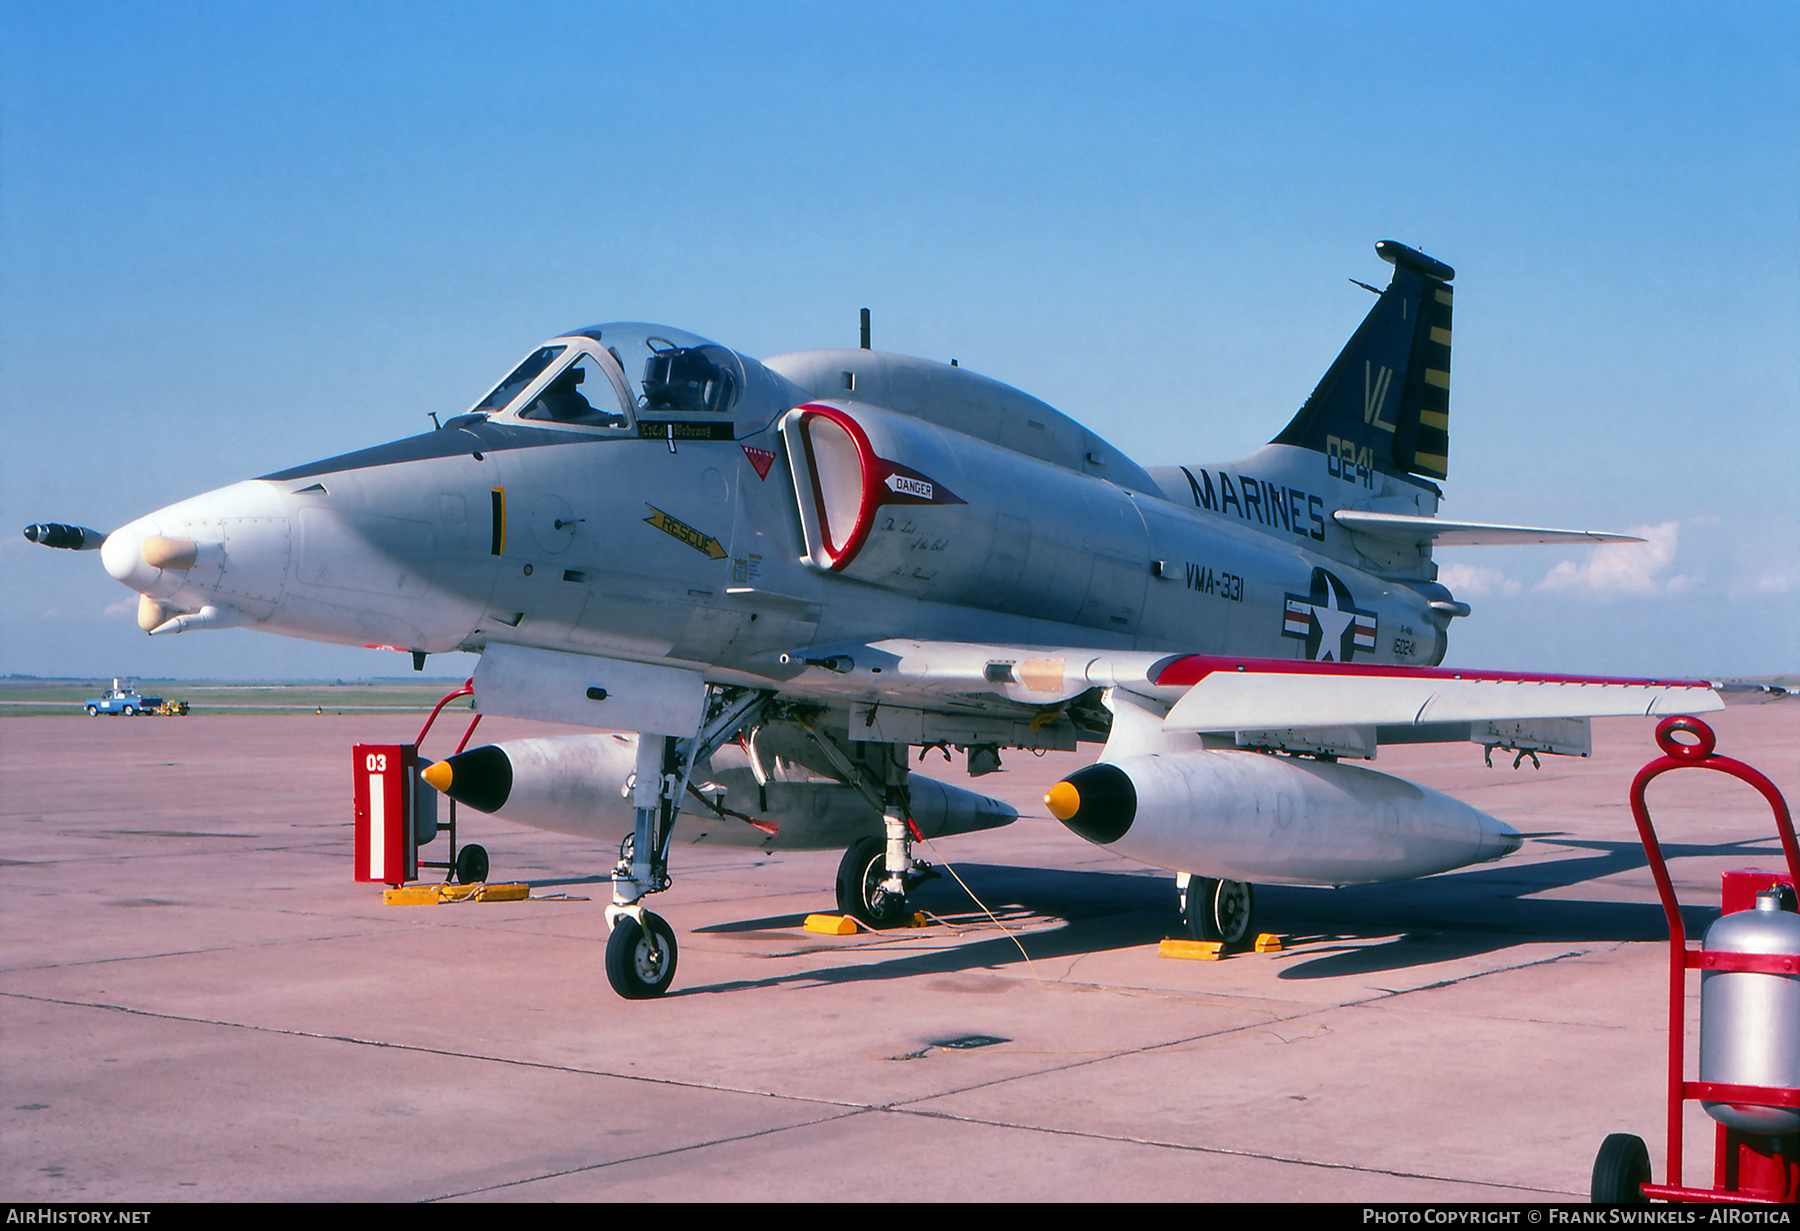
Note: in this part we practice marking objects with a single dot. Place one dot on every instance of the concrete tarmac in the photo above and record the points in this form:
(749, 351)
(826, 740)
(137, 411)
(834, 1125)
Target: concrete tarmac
(198, 1003)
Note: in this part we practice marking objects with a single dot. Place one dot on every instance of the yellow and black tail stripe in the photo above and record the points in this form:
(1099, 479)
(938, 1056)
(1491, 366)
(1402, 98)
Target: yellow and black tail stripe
(1431, 443)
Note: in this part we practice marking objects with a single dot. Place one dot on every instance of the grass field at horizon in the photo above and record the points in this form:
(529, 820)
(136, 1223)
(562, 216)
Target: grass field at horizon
(37, 698)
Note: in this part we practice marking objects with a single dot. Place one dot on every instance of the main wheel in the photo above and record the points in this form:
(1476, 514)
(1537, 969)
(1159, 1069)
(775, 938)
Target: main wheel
(1220, 910)
(1622, 1165)
(1233, 911)
(1197, 909)
(859, 890)
(471, 865)
(640, 961)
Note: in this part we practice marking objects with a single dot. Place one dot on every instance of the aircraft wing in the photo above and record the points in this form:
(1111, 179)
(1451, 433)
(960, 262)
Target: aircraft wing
(1209, 693)
(1406, 528)
(1224, 697)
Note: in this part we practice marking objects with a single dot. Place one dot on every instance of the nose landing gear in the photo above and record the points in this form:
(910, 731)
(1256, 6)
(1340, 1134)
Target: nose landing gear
(640, 952)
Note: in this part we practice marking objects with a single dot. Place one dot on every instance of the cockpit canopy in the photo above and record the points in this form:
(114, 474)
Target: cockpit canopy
(605, 376)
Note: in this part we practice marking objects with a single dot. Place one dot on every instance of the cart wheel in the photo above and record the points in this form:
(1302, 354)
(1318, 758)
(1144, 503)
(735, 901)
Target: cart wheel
(1621, 1167)
(471, 865)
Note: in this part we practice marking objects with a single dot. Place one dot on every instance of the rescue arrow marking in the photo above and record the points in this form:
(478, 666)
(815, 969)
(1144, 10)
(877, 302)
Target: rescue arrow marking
(705, 544)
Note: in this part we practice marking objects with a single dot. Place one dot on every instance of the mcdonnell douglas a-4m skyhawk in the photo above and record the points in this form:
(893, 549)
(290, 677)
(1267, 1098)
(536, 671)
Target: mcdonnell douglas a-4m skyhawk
(778, 578)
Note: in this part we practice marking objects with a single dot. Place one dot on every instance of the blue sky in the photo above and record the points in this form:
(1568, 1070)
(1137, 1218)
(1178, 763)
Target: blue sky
(237, 237)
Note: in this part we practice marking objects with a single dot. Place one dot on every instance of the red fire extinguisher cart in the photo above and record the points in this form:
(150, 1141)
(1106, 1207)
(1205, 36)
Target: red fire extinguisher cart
(1749, 1167)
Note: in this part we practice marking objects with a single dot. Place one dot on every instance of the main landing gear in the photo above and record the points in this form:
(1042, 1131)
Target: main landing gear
(864, 890)
(875, 876)
(1218, 910)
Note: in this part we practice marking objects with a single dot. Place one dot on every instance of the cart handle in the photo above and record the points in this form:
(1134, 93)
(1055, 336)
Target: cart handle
(467, 690)
(1700, 755)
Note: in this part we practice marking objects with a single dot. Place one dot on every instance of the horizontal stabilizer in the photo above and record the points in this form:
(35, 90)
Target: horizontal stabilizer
(1233, 701)
(1405, 528)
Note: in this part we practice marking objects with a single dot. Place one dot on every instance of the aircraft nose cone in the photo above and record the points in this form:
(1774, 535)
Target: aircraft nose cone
(1098, 802)
(221, 557)
(123, 556)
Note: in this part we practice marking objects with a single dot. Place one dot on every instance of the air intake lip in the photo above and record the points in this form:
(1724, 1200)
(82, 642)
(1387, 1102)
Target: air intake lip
(1098, 802)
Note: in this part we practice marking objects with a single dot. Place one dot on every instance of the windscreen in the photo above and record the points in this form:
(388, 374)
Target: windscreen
(510, 388)
(581, 393)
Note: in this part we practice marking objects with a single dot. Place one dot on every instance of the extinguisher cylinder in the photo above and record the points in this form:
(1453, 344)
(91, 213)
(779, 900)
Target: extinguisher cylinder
(1750, 1020)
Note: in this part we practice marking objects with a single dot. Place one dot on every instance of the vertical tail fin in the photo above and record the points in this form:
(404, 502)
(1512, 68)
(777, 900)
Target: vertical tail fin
(1385, 402)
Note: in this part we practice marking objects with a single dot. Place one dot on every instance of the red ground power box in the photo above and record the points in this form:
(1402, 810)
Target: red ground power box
(386, 777)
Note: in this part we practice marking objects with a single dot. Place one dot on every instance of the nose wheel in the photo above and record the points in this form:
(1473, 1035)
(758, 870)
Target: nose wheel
(640, 957)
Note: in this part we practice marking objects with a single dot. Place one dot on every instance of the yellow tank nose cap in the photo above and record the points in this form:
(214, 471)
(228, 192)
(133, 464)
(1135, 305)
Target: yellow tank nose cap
(438, 775)
(1064, 801)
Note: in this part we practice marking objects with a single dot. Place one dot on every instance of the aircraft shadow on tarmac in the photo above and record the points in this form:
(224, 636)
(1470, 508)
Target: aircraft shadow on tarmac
(1363, 929)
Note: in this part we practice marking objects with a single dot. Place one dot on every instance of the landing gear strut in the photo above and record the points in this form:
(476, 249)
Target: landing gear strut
(1219, 910)
(640, 953)
(876, 875)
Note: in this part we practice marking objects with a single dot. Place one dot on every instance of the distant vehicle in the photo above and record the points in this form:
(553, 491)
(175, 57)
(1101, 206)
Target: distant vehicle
(123, 698)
